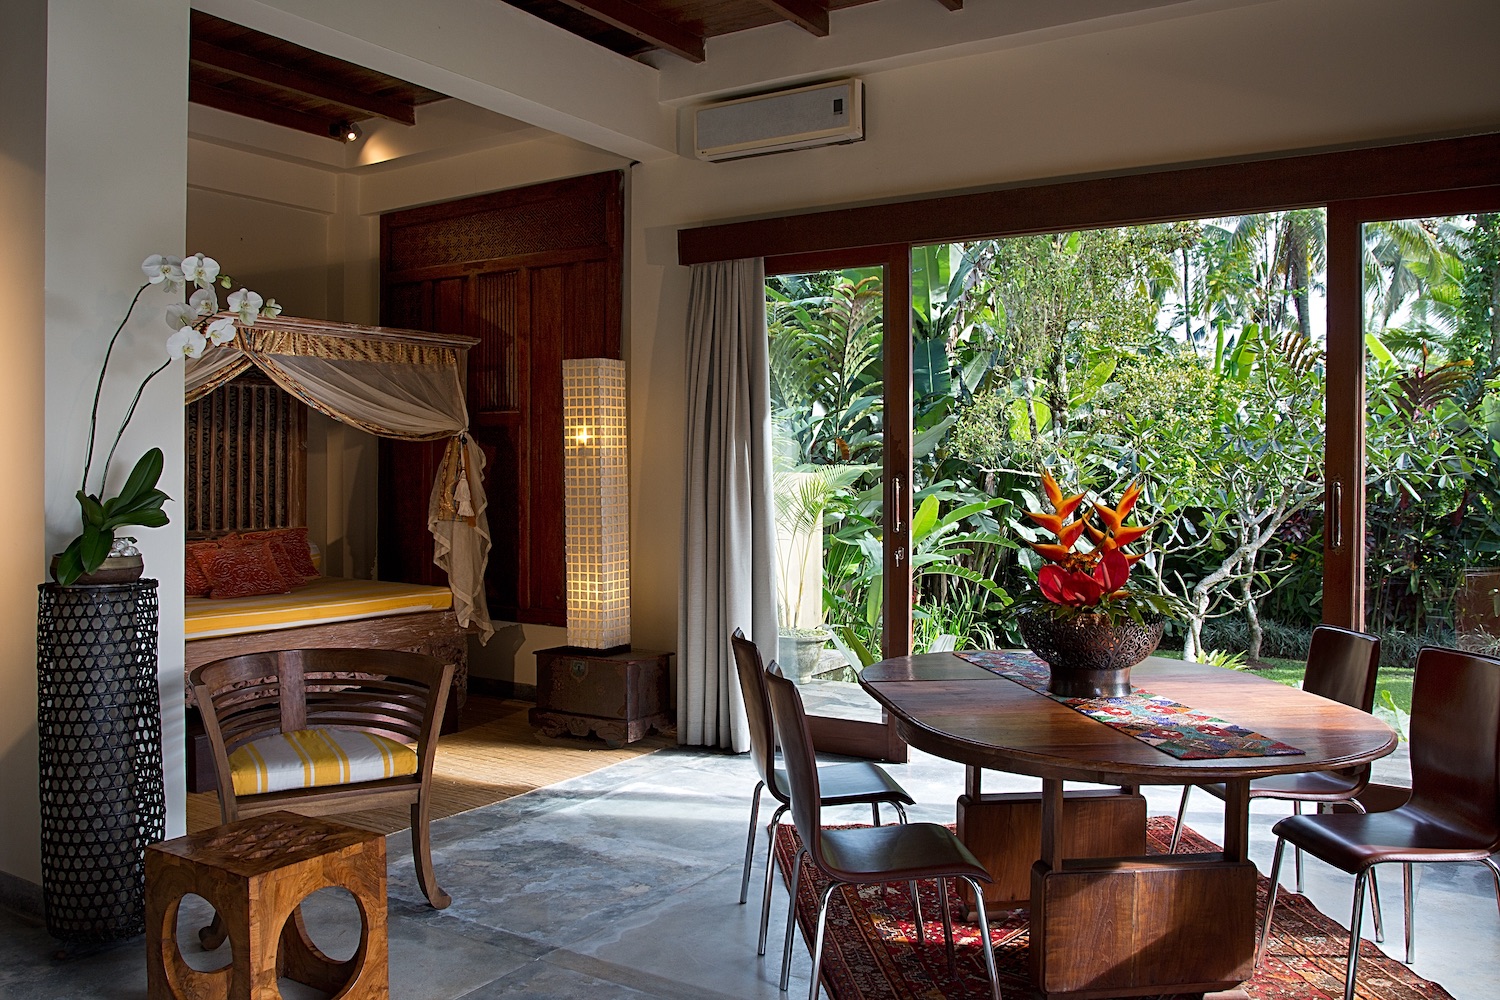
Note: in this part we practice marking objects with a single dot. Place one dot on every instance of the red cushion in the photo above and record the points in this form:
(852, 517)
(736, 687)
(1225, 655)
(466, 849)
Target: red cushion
(195, 568)
(289, 545)
(246, 569)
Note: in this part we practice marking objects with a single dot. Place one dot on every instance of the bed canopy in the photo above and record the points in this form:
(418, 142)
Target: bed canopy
(398, 384)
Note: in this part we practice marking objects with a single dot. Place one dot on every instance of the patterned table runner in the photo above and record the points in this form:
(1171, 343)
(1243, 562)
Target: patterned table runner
(1170, 726)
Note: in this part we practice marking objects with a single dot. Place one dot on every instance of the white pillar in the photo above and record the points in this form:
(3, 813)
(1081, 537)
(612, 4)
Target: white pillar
(92, 179)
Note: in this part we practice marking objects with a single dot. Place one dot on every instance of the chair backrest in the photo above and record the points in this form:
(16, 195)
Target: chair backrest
(390, 693)
(1341, 666)
(800, 761)
(757, 709)
(1455, 740)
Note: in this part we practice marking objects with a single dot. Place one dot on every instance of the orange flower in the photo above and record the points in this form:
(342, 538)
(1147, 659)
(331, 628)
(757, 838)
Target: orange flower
(1064, 506)
(1085, 579)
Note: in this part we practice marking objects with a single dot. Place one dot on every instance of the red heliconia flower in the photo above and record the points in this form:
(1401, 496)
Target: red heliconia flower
(1085, 579)
(1071, 587)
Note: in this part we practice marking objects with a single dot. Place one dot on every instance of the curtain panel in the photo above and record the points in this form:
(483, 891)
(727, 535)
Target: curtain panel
(389, 385)
(729, 518)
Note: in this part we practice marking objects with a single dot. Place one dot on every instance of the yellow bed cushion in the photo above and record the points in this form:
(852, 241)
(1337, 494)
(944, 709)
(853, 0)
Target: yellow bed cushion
(327, 599)
(312, 758)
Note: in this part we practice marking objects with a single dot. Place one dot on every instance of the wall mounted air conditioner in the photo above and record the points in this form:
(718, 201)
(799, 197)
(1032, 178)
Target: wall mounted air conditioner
(819, 115)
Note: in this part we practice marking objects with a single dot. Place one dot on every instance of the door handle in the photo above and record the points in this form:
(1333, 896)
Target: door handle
(1335, 515)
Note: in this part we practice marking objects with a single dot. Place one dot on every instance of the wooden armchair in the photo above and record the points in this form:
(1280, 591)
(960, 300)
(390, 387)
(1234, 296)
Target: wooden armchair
(321, 731)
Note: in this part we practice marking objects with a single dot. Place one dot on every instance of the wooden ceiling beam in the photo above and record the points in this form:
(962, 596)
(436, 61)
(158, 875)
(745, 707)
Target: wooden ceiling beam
(810, 15)
(648, 27)
(271, 74)
(238, 104)
(952, 4)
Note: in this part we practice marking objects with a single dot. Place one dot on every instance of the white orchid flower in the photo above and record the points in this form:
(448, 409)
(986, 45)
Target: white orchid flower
(270, 310)
(221, 330)
(159, 268)
(246, 304)
(180, 314)
(200, 270)
(186, 343)
(205, 301)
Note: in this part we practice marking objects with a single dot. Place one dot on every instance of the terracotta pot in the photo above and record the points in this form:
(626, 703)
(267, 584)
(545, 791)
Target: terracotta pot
(114, 569)
(1090, 657)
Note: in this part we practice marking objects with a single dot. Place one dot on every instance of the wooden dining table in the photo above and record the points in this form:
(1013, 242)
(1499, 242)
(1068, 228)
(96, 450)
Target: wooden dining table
(1107, 919)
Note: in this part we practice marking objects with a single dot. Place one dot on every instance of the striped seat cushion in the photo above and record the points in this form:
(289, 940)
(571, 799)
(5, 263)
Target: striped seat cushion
(310, 758)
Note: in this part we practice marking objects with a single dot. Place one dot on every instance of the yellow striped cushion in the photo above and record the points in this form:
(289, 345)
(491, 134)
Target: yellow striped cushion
(310, 758)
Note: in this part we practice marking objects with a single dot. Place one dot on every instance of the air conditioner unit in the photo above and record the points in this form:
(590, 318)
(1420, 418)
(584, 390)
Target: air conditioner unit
(820, 115)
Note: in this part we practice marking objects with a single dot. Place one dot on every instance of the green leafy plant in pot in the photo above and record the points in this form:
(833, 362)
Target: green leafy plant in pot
(197, 325)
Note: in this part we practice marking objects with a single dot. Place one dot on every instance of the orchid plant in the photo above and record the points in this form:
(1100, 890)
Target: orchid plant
(196, 324)
(1092, 580)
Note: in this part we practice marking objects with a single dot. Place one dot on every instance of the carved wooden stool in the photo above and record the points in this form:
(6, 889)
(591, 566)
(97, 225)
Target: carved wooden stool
(256, 872)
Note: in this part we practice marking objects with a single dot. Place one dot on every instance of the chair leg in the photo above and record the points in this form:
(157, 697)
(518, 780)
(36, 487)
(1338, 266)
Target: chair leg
(942, 885)
(900, 811)
(984, 939)
(1297, 851)
(1495, 871)
(765, 901)
(421, 854)
(1375, 907)
(916, 906)
(817, 948)
(1354, 921)
(791, 920)
(1265, 930)
(875, 812)
(1181, 812)
(750, 841)
(1411, 930)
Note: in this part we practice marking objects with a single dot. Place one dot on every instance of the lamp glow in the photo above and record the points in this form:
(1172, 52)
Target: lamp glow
(597, 497)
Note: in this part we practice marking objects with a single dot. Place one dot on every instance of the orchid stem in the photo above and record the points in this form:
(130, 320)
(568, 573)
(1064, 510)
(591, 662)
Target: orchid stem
(99, 388)
(128, 414)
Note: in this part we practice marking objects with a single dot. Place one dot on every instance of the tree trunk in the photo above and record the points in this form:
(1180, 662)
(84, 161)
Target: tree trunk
(1252, 613)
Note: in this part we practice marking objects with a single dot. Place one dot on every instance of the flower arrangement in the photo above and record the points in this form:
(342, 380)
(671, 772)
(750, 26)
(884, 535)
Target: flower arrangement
(1092, 581)
(196, 324)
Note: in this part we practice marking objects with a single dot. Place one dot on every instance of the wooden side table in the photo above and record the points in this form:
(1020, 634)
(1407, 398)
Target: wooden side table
(256, 872)
(618, 696)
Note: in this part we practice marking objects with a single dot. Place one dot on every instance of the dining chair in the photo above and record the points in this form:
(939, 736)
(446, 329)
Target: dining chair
(324, 731)
(1453, 813)
(1341, 666)
(842, 784)
(862, 855)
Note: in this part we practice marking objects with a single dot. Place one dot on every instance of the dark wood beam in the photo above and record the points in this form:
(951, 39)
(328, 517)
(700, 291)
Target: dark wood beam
(249, 67)
(1124, 200)
(810, 15)
(952, 4)
(238, 104)
(648, 27)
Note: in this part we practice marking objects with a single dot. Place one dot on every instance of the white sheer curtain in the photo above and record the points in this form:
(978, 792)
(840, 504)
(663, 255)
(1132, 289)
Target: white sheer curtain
(729, 517)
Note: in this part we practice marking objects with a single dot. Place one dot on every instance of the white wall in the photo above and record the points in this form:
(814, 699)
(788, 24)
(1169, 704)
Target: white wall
(94, 174)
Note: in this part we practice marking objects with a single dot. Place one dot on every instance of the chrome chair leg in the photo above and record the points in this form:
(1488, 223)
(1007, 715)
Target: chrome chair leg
(750, 841)
(1375, 906)
(791, 921)
(1181, 812)
(875, 812)
(1265, 930)
(817, 948)
(984, 938)
(942, 885)
(1411, 930)
(765, 901)
(916, 906)
(1495, 871)
(1354, 921)
(900, 811)
(1297, 851)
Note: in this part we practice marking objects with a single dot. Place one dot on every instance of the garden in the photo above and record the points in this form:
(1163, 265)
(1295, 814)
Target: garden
(1187, 358)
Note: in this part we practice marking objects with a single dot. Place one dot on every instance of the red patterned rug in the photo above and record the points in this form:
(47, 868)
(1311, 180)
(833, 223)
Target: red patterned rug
(872, 954)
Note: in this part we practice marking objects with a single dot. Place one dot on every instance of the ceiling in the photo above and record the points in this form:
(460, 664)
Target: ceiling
(246, 72)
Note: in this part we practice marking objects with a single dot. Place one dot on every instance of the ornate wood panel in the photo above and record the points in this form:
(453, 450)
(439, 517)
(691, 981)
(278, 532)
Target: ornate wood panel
(535, 274)
(246, 458)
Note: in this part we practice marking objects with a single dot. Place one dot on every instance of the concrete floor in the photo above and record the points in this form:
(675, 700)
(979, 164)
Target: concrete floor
(623, 883)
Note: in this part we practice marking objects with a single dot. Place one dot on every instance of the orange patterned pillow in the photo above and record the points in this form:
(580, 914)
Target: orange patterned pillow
(195, 568)
(289, 545)
(245, 570)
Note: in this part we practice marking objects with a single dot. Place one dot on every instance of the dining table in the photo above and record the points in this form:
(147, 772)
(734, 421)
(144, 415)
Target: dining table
(1108, 919)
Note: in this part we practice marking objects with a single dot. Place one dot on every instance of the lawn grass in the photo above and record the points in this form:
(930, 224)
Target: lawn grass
(1395, 680)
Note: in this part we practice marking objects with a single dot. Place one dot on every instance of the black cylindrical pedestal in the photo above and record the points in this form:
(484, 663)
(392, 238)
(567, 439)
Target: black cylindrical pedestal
(99, 734)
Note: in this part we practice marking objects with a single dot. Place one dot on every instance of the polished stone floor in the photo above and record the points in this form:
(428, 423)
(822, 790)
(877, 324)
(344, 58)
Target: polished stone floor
(623, 883)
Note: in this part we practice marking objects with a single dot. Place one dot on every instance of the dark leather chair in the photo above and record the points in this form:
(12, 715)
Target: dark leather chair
(862, 855)
(1341, 666)
(1453, 813)
(842, 784)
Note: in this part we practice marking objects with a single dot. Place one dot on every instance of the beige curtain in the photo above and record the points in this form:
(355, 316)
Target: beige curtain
(383, 383)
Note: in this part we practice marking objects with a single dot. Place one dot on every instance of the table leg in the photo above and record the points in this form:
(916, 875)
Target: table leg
(1237, 820)
(1052, 822)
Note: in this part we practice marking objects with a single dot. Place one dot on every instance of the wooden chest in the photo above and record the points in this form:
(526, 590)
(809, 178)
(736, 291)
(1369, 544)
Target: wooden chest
(617, 696)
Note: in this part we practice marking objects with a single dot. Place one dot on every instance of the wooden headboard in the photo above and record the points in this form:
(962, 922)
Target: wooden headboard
(246, 467)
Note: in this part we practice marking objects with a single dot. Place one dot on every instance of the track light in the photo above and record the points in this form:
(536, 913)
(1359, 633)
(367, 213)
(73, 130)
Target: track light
(345, 131)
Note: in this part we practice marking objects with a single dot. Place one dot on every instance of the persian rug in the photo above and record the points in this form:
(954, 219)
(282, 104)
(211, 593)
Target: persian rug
(870, 950)
(1169, 726)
